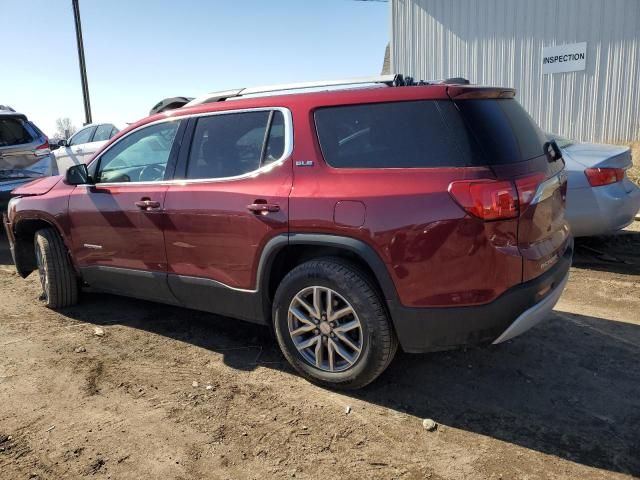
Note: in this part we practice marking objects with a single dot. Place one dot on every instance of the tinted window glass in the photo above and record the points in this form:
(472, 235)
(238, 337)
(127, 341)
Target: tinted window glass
(103, 132)
(227, 145)
(139, 157)
(14, 131)
(83, 136)
(114, 130)
(393, 135)
(275, 141)
(504, 129)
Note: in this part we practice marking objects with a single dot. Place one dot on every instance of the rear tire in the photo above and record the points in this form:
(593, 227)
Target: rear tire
(58, 280)
(346, 345)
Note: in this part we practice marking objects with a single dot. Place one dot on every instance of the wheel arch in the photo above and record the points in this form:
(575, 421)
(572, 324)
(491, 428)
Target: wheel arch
(24, 231)
(285, 252)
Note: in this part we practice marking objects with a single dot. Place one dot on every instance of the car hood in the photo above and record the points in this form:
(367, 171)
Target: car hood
(37, 187)
(599, 155)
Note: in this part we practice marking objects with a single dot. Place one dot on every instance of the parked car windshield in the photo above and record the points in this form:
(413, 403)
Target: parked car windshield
(83, 136)
(14, 131)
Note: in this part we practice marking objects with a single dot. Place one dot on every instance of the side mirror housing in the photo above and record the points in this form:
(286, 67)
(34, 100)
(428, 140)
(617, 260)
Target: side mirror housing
(63, 143)
(78, 175)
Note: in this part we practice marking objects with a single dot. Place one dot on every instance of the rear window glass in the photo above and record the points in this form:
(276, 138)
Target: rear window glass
(428, 133)
(14, 131)
(504, 129)
(394, 135)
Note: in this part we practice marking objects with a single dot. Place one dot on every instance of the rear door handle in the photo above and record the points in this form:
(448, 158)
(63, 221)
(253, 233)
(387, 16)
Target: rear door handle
(263, 208)
(147, 204)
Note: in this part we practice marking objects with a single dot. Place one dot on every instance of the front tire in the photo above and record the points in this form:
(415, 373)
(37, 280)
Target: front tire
(58, 280)
(331, 324)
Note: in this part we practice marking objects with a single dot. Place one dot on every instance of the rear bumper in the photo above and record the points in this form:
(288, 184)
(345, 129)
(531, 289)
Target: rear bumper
(515, 311)
(601, 210)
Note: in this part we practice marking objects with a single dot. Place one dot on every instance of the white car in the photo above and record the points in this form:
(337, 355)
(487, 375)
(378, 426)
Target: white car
(600, 197)
(82, 145)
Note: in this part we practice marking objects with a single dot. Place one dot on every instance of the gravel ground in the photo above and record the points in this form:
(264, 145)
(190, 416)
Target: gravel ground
(176, 394)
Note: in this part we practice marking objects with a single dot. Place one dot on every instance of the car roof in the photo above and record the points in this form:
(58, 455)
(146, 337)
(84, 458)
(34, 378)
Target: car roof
(332, 97)
(9, 113)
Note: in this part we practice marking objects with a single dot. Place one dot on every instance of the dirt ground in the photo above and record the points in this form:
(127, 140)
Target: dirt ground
(562, 401)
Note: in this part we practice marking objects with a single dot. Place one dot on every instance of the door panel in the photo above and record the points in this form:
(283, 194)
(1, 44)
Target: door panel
(235, 198)
(211, 233)
(117, 227)
(119, 246)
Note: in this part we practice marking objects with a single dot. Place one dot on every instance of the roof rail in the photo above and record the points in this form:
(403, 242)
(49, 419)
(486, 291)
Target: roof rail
(389, 80)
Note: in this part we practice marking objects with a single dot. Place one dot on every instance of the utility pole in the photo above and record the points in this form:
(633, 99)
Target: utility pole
(83, 67)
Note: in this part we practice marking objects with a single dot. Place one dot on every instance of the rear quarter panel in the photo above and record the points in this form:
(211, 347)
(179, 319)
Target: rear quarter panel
(435, 253)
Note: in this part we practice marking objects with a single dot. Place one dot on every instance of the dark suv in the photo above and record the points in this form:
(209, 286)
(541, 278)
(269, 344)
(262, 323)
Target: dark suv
(352, 219)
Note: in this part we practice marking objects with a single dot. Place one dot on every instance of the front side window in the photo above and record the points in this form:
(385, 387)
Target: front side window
(83, 136)
(103, 132)
(139, 157)
(229, 145)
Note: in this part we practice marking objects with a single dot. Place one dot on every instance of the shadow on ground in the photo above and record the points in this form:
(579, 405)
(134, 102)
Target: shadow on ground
(568, 388)
(5, 253)
(611, 253)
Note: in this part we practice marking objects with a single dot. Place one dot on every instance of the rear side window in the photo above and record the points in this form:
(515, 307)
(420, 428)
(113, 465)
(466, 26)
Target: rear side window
(504, 129)
(15, 131)
(394, 135)
(232, 144)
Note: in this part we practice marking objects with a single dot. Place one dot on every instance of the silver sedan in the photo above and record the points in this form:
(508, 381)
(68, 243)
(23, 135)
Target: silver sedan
(600, 197)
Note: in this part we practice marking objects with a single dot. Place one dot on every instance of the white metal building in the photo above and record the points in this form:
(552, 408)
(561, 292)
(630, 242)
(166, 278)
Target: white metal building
(587, 87)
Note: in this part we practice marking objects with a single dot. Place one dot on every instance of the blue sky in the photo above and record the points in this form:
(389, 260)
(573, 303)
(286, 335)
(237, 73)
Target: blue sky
(140, 51)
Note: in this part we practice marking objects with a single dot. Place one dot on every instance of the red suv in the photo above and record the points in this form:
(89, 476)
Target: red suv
(350, 219)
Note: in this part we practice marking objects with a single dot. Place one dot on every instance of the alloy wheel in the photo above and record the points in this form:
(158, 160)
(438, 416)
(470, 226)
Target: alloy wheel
(42, 273)
(325, 329)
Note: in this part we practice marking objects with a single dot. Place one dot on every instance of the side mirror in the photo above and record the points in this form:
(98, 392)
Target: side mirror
(78, 175)
(63, 143)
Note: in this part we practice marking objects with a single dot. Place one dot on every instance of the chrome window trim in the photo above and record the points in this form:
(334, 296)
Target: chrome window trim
(288, 148)
(547, 188)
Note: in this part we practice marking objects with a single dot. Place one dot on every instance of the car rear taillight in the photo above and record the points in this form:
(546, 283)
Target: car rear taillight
(43, 149)
(486, 199)
(604, 176)
(527, 188)
(496, 199)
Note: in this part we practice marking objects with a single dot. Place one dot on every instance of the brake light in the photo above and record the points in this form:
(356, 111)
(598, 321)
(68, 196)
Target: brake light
(486, 199)
(43, 149)
(527, 188)
(604, 176)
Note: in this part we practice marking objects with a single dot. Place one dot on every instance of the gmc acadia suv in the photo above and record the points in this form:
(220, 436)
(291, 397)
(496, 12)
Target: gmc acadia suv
(351, 219)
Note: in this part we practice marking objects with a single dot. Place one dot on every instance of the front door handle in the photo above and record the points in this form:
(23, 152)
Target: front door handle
(263, 208)
(146, 204)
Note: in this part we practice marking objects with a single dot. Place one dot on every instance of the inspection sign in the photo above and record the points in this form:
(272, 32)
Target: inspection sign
(564, 58)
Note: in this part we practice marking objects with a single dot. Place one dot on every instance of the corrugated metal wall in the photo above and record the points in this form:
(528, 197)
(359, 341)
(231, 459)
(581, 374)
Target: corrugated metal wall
(499, 42)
